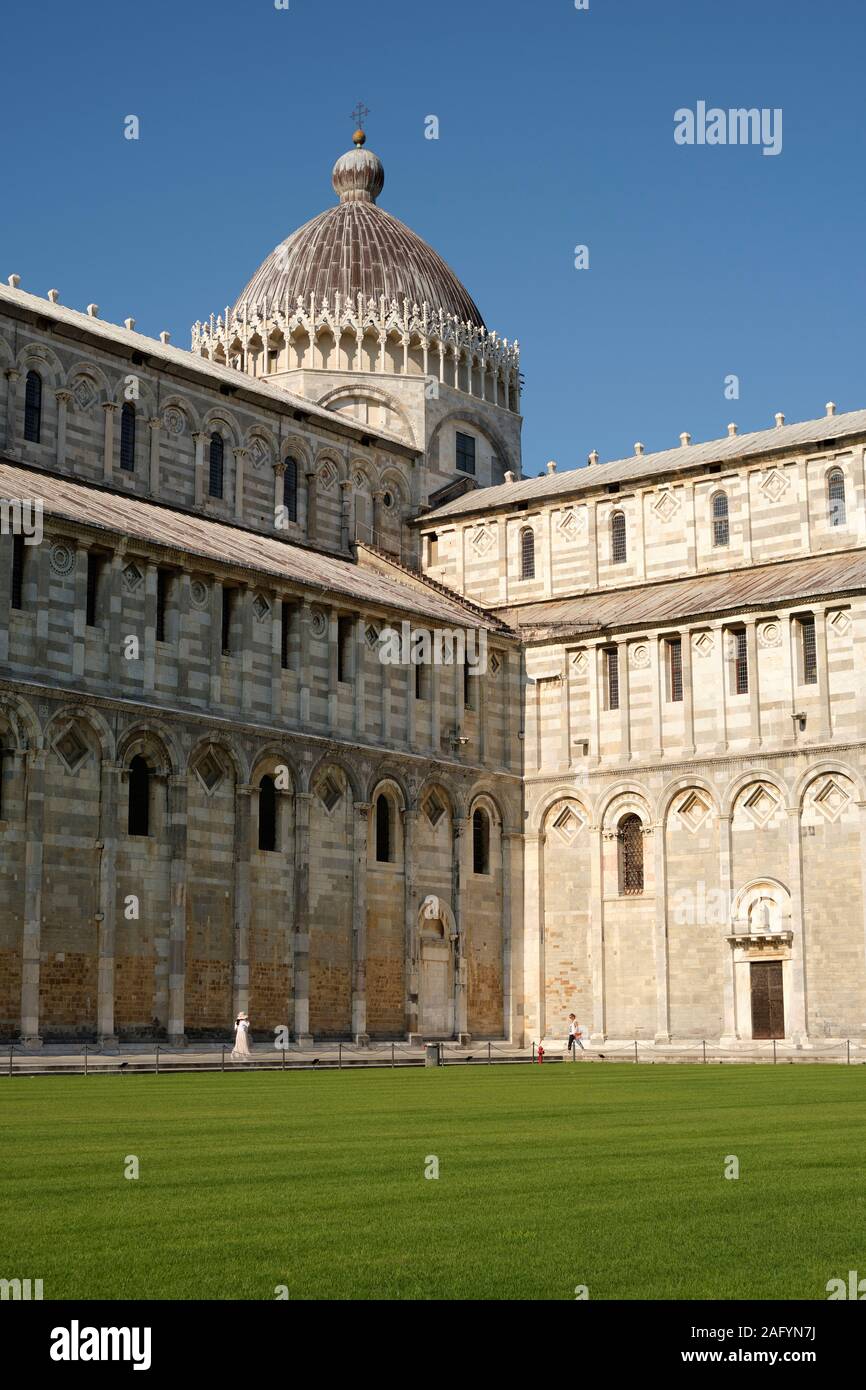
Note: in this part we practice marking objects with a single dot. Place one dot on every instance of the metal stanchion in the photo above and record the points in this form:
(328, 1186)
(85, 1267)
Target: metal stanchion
(282, 1059)
(392, 1054)
(849, 1052)
(340, 1056)
(11, 1050)
(223, 1057)
(533, 1049)
(489, 1059)
(85, 1059)
(774, 1051)
(157, 1059)
(635, 1051)
(704, 1046)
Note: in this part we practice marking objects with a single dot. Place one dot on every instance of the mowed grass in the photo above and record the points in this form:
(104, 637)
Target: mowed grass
(549, 1177)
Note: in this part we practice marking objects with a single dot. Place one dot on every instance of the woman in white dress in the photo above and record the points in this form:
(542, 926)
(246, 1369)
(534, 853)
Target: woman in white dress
(241, 1050)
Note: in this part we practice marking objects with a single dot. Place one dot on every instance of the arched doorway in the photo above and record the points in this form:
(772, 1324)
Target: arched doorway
(437, 935)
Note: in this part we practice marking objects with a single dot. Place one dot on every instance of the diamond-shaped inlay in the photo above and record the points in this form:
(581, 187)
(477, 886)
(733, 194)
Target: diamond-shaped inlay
(693, 811)
(261, 608)
(210, 771)
(71, 748)
(760, 804)
(571, 523)
(434, 809)
(667, 505)
(839, 622)
(494, 664)
(371, 636)
(579, 663)
(327, 475)
(702, 643)
(259, 452)
(132, 576)
(84, 393)
(831, 799)
(774, 485)
(568, 823)
(482, 540)
(329, 793)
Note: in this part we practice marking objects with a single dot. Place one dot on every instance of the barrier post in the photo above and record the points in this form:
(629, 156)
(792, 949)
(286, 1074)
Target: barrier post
(157, 1059)
(489, 1046)
(849, 1052)
(704, 1046)
(11, 1049)
(392, 1054)
(85, 1059)
(635, 1051)
(223, 1058)
(340, 1056)
(774, 1052)
(533, 1049)
(282, 1059)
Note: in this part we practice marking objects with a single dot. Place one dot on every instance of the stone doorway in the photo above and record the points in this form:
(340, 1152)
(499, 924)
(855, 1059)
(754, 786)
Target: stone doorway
(768, 1000)
(436, 1016)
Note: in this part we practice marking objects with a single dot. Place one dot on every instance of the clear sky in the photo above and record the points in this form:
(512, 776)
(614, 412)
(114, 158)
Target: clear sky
(556, 129)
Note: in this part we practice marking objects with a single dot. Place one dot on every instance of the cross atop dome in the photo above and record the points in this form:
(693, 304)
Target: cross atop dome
(359, 115)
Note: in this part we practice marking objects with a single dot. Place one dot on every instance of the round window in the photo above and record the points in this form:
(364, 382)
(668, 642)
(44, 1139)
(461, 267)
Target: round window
(388, 499)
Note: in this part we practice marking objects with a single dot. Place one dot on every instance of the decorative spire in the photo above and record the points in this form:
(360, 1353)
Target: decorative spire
(358, 176)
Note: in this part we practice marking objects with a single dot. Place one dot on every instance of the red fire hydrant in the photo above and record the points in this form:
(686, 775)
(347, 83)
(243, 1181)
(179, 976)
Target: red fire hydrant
(540, 1054)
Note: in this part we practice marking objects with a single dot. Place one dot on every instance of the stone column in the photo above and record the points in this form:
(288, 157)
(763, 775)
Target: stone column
(301, 952)
(346, 486)
(63, 398)
(107, 900)
(177, 833)
(729, 1004)
(184, 641)
(502, 542)
(279, 474)
(40, 560)
(333, 668)
(458, 874)
(505, 839)
(663, 1018)
(754, 681)
(359, 923)
(199, 468)
(13, 377)
(240, 455)
(312, 520)
(216, 642)
(6, 544)
(108, 450)
(305, 619)
(657, 672)
(148, 654)
(533, 936)
(592, 543)
(688, 690)
(154, 425)
(34, 821)
(624, 710)
(241, 889)
(435, 709)
(720, 674)
(640, 539)
(746, 484)
(823, 671)
(596, 931)
(359, 676)
(796, 1025)
(595, 657)
(245, 600)
(79, 617)
(378, 497)
(277, 601)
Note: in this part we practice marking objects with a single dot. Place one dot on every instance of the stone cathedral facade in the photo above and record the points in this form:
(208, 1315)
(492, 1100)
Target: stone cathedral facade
(647, 803)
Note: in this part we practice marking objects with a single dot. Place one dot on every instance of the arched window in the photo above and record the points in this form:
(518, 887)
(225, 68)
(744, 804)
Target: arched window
(215, 475)
(630, 837)
(618, 549)
(33, 407)
(480, 842)
(127, 438)
(384, 837)
(836, 510)
(267, 814)
(139, 797)
(721, 526)
(527, 553)
(290, 490)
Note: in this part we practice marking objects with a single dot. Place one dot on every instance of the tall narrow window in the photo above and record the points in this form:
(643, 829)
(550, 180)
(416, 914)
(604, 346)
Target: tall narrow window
(480, 842)
(809, 652)
(836, 509)
(139, 797)
(721, 524)
(290, 490)
(17, 594)
(345, 629)
(741, 663)
(216, 465)
(286, 615)
(227, 614)
(127, 438)
(618, 548)
(33, 407)
(527, 553)
(163, 583)
(630, 837)
(383, 829)
(95, 566)
(267, 814)
(675, 669)
(465, 453)
(611, 659)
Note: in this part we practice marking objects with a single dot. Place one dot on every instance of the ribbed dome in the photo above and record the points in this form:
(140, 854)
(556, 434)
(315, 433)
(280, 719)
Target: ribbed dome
(357, 248)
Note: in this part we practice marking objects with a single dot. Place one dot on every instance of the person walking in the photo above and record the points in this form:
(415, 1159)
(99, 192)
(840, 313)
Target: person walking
(574, 1035)
(241, 1050)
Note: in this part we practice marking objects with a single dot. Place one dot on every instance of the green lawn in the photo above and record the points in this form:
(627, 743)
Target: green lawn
(550, 1177)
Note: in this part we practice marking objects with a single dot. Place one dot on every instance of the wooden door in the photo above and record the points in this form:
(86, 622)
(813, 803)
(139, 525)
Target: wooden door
(768, 1008)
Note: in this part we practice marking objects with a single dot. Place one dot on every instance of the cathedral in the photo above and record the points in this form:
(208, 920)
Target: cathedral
(221, 792)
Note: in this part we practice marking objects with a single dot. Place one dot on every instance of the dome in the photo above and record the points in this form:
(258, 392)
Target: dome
(357, 248)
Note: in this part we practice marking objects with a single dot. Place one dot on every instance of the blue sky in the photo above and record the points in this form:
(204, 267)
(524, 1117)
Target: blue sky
(556, 129)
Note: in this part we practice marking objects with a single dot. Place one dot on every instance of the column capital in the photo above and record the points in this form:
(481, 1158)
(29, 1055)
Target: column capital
(155, 423)
(109, 406)
(61, 395)
(279, 468)
(12, 374)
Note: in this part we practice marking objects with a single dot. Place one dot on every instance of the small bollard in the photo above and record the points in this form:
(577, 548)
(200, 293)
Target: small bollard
(489, 1059)
(635, 1051)
(704, 1046)
(533, 1049)
(432, 1056)
(282, 1059)
(849, 1053)
(223, 1058)
(774, 1051)
(340, 1056)
(85, 1059)
(11, 1051)
(392, 1054)
(157, 1059)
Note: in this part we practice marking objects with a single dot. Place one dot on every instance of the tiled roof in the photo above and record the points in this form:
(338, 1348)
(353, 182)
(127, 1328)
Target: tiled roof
(832, 430)
(228, 546)
(215, 375)
(736, 591)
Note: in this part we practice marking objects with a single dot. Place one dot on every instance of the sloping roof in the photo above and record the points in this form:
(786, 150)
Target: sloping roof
(214, 373)
(832, 430)
(735, 591)
(215, 542)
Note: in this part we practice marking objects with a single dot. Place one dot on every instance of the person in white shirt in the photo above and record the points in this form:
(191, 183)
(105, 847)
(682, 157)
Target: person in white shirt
(574, 1034)
(241, 1051)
